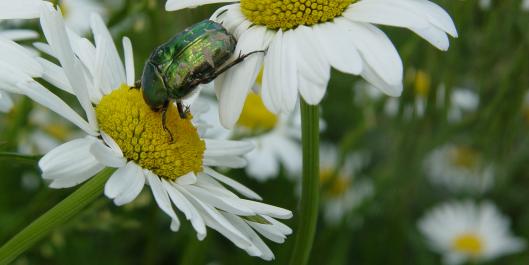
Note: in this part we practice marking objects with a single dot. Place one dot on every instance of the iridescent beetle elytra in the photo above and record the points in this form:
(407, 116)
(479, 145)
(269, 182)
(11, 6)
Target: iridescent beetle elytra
(195, 56)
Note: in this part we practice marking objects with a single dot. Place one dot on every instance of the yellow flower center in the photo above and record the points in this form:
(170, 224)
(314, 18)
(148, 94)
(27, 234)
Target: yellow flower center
(422, 83)
(138, 131)
(465, 157)
(334, 186)
(255, 116)
(468, 243)
(288, 14)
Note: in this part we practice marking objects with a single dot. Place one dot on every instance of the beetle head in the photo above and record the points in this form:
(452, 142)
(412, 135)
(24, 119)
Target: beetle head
(153, 87)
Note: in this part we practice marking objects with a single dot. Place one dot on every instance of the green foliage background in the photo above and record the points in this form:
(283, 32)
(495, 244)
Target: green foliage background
(491, 57)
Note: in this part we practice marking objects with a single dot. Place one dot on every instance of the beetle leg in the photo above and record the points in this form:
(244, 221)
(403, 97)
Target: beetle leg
(225, 68)
(137, 84)
(164, 123)
(182, 110)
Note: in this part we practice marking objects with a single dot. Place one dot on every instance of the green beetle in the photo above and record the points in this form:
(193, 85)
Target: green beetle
(195, 56)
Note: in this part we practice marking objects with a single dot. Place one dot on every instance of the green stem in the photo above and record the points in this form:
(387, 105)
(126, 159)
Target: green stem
(55, 217)
(308, 217)
(30, 159)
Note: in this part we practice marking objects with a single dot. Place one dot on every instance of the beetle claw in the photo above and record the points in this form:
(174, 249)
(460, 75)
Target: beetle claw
(182, 111)
(164, 124)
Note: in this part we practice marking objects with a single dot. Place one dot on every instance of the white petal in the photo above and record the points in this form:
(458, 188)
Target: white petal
(227, 148)
(181, 202)
(225, 161)
(372, 77)
(111, 143)
(119, 181)
(187, 179)
(217, 221)
(55, 75)
(106, 156)
(54, 29)
(77, 176)
(129, 61)
(377, 51)
(20, 9)
(173, 5)
(19, 34)
(160, 194)
(240, 78)
(231, 205)
(114, 65)
(280, 77)
(43, 96)
(137, 181)
(233, 184)
(268, 231)
(435, 36)
(70, 163)
(338, 47)
(314, 69)
(6, 103)
(19, 58)
(384, 12)
(263, 251)
(270, 210)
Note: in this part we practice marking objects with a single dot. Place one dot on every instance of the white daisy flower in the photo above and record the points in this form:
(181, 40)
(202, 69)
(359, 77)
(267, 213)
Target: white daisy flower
(304, 39)
(276, 138)
(469, 232)
(343, 190)
(123, 133)
(459, 168)
(23, 9)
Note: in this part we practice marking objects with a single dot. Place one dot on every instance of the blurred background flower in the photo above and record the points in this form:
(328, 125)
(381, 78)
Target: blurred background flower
(469, 232)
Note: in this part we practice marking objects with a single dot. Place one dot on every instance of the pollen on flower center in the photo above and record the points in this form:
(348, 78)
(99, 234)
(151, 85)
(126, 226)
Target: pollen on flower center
(468, 243)
(255, 116)
(288, 14)
(138, 131)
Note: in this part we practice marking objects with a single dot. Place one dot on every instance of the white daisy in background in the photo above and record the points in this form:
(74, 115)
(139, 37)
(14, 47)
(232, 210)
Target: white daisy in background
(462, 101)
(342, 189)
(459, 168)
(122, 132)
(525, 5)
(45, 132)
(14, 10)
(77, 13)
(469, 232)
(304, 39)
(277, 138)
(485, 4)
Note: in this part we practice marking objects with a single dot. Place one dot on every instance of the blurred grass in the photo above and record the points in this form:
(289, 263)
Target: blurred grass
(490, 57)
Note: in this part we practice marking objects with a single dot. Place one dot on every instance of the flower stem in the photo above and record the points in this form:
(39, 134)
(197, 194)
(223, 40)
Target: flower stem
(308, 217)
(55, 217)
